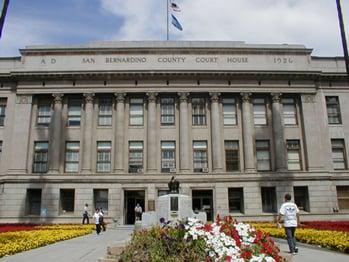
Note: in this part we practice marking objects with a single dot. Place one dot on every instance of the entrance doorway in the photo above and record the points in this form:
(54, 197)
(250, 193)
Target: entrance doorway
(203, 201)
(132, 197)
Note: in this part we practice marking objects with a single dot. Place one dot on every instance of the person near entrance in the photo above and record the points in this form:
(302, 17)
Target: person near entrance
(138, 212)
(85, 215)
(101, 219)
(290, 212)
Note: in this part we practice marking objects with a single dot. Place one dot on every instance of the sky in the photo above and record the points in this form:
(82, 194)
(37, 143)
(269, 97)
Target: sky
(313, 23)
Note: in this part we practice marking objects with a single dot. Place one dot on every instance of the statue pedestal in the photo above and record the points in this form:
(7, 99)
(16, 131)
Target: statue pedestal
(171, 207)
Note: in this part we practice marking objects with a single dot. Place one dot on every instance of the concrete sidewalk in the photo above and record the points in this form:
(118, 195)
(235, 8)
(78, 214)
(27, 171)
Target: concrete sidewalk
(91, 247)
(309, 253)
(88, 248)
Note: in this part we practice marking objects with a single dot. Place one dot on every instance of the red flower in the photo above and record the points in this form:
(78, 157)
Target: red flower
(246, 254)
(228, 258)
(208, 227)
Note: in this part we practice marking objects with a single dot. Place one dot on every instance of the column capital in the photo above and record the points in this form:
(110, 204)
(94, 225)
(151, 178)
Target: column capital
(276, 97)
(152, 96)
(57, 98)
(246, 97)
(120, 97)
(183, 96)
(89, 97)
(215, 96)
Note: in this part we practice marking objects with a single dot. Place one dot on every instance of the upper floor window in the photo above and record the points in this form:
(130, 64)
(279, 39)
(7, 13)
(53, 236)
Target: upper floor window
(259, 111)
(135, 162)
(229, 111)
(168, 156)
(105, 111)
(293, 155)
(232, 155)
(2, 110)
(198, 111)
(72, 156)
(44, 114)
(289, 111)
(263, 155)
(333, 110)
(74, 112)
(40, 157)
(167, 111)
(136, 111)
(338, 154)
(103, 156)
(200, 156)
(0, 150)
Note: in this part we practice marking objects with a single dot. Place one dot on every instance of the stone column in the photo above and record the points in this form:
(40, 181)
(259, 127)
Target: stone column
(56, 134)
(248, 133)
(87, 138)
(119, 133)
(278, 134)
(216, 135)
(151, 133)
(20, 134)
(184, 143)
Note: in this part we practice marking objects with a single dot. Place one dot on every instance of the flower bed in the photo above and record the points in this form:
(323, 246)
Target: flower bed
(335, 240)
(37, 236)
(16, 227)
(328, 225)
(224, 240)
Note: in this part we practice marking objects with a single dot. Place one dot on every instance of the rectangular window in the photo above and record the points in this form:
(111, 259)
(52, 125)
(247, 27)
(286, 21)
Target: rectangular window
(236, 200)
(229, 111)
(40, 157)
(168, 156)
(100, 197)
(167, 111)
(268, 199)
(72, 156)
(200, 156)
(301, 197)
(293, 155)
(105, 111)
(333, 110)
(162, 192)
(33, 202)
(338, 154)
(198, 111)
(232, 161)
(44, 114)
(0, 150)
(259, 111)
(263, 155)
(3, 102)
(343, 197)
(135, 163)
(136, 112)
(289, 111)
(74, 112)
(67, 199)
(103, 156)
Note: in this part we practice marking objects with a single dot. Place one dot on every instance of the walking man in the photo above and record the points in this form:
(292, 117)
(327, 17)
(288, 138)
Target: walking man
(85, 215)
(290, 212)
(96, 217)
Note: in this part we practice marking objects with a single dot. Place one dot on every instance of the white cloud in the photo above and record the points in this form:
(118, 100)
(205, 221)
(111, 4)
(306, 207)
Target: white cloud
(308, 22)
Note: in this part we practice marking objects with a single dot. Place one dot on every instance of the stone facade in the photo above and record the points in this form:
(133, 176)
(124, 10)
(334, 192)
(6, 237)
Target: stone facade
(108, 124)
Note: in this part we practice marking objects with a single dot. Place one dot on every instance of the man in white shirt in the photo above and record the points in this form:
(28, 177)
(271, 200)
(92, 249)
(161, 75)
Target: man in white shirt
(290, 212)
(96, 217)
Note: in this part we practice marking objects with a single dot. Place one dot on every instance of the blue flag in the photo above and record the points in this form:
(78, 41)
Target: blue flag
(176, 23)
(3, 14)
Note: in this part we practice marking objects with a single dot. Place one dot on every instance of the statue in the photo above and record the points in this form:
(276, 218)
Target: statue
(173, 185)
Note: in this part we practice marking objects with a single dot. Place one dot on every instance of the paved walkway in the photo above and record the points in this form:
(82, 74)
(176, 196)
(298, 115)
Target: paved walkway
(87, 248)
(91, 247)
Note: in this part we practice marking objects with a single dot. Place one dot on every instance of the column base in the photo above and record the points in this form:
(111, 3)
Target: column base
(250, 170)
(185, 171)
(218, 170)
(53, 172)
(86, 171)
(119, 171)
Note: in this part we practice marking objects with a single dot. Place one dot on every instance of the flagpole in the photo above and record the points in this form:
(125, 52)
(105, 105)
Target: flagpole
(167, 20)
(344, 39)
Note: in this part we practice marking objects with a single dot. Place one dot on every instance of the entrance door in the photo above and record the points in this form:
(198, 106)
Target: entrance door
(132, 197)
(203, 201)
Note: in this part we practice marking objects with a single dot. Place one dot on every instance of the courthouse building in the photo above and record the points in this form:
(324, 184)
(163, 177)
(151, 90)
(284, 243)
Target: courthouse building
(109, 124)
